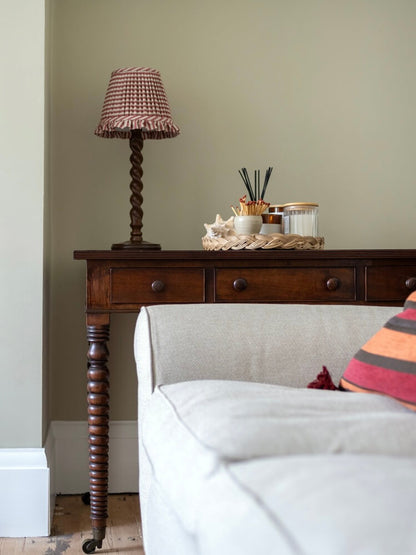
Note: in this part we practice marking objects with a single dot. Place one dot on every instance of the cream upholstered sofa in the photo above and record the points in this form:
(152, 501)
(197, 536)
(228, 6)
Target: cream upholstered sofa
(238, 457)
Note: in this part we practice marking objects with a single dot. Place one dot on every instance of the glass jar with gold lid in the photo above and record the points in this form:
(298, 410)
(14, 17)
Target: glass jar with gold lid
(301, 218)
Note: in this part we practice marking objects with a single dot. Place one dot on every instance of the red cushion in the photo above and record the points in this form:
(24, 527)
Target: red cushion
(323, 381)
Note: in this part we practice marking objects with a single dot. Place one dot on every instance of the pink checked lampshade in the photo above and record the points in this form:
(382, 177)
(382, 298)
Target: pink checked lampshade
(136, 108)
(136, 99)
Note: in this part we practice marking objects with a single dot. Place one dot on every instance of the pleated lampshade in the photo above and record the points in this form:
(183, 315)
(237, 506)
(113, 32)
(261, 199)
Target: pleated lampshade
(136, 100)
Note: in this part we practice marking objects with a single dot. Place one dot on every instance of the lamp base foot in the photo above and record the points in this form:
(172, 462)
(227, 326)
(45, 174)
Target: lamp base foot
(136, 246)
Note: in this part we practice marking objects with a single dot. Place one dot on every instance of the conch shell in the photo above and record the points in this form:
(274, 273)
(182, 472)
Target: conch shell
(220, 228)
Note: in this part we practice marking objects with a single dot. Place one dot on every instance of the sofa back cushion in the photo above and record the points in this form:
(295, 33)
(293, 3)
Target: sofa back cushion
(283, 344)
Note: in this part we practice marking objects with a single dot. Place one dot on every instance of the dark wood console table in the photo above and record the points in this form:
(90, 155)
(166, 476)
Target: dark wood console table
(123, 281)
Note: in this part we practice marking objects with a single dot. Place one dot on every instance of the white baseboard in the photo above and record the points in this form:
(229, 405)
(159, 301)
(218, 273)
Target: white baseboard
(30, 478)
(71, 457)
(25, 493)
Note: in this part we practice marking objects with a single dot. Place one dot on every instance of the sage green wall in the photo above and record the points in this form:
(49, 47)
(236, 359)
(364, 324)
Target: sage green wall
(322, 90)
(22, 95)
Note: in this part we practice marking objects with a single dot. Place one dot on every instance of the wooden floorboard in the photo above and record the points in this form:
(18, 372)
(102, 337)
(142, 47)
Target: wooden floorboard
(71, 526)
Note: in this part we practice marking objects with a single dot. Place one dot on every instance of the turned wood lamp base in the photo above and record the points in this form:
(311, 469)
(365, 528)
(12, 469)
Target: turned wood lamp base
(136, 186)
(130, 245)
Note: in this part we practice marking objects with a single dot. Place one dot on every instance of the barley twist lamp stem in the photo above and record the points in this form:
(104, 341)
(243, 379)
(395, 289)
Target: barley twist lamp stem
(136, 199)
(136, 187)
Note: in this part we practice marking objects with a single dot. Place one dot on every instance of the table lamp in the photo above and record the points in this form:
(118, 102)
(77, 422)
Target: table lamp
(136, 108)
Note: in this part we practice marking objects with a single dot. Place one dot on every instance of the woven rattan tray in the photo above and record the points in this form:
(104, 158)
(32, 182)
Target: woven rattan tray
(259, 241)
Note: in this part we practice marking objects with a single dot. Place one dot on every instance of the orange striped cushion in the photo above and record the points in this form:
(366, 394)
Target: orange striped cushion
(387, 362)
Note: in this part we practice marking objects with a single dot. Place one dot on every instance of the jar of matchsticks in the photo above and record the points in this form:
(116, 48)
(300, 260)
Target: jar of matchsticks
(247, 225)
(248, 219)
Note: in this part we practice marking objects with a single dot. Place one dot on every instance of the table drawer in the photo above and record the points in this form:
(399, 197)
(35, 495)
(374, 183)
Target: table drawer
(285, 284)
(389, 283)
(157, 285)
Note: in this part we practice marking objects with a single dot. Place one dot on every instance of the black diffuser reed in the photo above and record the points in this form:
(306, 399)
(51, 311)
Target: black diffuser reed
(255, 194)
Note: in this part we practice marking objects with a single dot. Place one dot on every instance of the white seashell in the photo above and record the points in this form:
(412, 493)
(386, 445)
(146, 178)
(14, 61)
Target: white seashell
(220, 228)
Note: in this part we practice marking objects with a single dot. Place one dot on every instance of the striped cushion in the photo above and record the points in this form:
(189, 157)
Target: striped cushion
(387, 362)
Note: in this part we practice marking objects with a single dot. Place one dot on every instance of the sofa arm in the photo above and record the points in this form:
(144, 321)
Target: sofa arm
(272, 343)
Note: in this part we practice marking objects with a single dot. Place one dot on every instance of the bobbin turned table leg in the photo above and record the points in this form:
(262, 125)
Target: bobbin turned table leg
(98, 333)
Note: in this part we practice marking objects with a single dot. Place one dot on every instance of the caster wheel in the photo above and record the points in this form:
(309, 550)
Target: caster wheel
(85, 497)
(89, 545)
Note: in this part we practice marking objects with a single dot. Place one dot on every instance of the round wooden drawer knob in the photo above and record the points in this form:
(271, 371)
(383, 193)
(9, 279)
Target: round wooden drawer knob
(240, 284)
(411, 283)
(332, 284)
(158, 286)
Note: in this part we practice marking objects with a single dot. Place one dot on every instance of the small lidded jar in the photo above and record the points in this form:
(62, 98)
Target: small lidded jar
(301, 218)
(272, 220)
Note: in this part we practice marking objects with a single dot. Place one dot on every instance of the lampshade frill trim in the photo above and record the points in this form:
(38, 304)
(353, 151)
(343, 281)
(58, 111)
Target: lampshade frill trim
(119, 128)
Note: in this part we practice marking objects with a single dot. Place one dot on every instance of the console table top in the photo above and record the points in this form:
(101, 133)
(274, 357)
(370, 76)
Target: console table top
(244, 253)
